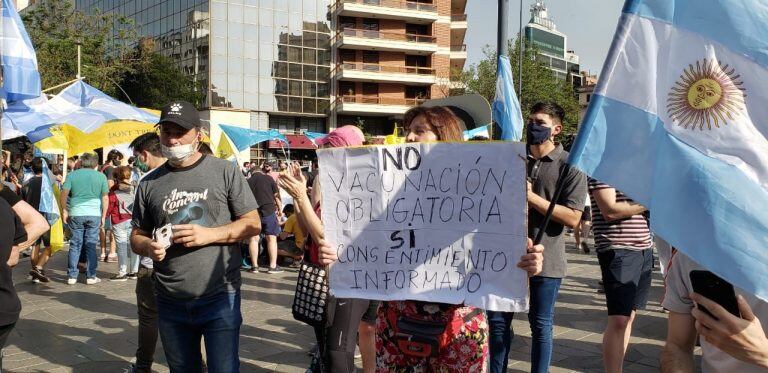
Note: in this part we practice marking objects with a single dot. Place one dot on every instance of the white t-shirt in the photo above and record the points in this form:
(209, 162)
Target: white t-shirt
(676, 300)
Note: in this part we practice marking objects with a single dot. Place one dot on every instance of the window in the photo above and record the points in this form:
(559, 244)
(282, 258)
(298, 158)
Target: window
(416, 29)
(371, 57)
(309, 56)
(346, 88)
(347, 55)
(416, 92)
(294, 88)
(371, 24)
(418, 61)
(310, 73)
(294, 54)
(370, 89)
(347, 22)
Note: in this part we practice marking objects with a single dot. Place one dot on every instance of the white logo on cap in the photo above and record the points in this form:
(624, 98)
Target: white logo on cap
(176, 107)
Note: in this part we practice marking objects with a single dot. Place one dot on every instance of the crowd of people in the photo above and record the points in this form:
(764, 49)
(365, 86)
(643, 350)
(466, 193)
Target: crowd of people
(183, 224)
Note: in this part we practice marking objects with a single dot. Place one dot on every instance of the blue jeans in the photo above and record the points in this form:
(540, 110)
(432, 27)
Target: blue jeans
(182, 323)
(541, 315)
(85, 237)
(500, 336)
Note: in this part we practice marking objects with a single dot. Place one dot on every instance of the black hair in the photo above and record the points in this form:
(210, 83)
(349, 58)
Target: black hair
(205, 149)
(288, 209)
(551, 108)
(149, 142)
(37, 165)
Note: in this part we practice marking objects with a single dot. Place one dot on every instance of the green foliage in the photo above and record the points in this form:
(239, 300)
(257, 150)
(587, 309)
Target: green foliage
(113, 59)
(157, 80)
(55, 28)
(538, 84)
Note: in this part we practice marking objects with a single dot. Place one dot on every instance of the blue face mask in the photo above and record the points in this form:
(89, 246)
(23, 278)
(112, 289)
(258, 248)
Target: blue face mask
(537, 135)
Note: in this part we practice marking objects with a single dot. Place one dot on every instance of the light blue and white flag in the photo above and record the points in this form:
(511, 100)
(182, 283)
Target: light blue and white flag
(313, 136)
(479, 131)
(679, 122)
(79, 105)
(506, 107)
(244, 138)
(48, 204)
(21, 80)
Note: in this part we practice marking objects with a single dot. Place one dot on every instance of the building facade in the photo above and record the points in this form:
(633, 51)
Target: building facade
(306, 65)
(552, 45)
(390, 55)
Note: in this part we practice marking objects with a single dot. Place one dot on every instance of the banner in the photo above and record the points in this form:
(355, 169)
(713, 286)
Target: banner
(439, 222)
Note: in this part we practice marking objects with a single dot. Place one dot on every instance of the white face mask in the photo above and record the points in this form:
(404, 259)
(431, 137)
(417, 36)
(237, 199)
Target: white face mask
(179, 153)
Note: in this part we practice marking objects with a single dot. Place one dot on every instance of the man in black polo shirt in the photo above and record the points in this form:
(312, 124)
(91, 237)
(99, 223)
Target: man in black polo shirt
(41, 251)
(546, 161)
(267, 195)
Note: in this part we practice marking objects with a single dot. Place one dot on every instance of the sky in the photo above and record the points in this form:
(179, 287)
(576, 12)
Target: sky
(589, 25)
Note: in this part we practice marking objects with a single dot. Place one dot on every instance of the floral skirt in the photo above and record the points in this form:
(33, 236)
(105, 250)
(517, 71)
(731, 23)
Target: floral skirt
(466, 350)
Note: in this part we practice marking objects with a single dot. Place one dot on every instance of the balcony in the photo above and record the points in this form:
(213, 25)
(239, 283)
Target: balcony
(459, 52)
(409, 11)
(368, 72)
(385, 41)
(360, 105)
(458, 22)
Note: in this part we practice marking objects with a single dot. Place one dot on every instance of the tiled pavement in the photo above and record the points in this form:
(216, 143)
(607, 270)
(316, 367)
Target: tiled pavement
(84, 328)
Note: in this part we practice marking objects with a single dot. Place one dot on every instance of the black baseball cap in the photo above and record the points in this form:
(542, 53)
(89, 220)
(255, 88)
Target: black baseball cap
(181, 113)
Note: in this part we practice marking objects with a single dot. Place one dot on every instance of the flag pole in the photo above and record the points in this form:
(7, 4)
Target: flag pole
(520, 40)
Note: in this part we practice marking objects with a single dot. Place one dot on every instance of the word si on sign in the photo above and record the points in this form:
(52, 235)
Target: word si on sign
(439, 222)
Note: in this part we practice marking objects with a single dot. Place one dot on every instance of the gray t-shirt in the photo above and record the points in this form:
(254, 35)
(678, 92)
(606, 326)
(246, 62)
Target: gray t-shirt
(677, 299)
(543, 174)
(210, 193)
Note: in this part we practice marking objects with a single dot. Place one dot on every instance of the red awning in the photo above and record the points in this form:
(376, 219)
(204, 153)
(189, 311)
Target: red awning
(294, 142)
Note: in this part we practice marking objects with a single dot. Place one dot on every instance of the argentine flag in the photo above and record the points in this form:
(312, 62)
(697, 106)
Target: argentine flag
(21, 80)
(506, 106)
(679, 122)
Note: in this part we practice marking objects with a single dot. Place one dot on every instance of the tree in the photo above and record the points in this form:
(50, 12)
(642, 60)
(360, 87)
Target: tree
(538, 84)
(106, 40)
(155, 80)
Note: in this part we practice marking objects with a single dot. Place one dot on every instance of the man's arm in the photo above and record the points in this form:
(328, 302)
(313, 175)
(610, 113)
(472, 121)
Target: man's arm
(142, 244)
(63, 197)
(193, 235)
(677, 355)
(612, 210)
(34, 223)
(561, 214)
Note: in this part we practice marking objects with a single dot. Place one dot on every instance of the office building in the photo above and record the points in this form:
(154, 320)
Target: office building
(552, 45)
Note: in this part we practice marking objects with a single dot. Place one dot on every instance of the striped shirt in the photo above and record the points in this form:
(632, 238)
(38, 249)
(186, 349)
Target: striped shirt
(628, 233)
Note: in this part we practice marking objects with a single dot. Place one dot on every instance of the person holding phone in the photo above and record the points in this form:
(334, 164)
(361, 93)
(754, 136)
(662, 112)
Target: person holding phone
(729, 343)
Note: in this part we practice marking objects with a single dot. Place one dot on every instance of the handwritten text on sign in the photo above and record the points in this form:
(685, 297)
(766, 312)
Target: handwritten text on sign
(441, 222)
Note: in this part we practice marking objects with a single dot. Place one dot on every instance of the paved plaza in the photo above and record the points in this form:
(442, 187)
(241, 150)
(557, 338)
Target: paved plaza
(93, 328)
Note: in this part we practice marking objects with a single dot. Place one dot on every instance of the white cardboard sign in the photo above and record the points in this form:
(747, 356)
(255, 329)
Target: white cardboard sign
(439, 222)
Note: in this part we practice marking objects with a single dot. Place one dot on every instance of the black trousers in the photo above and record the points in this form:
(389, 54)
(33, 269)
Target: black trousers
(5, 331)
(338, 341)
(147, 305)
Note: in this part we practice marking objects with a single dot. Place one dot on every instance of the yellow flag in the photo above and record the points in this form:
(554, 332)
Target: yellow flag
(394, 139)
(57, 230)
(224, 150)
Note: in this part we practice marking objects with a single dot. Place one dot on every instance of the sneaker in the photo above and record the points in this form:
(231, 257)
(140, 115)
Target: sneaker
(38, 275)
(274, 270)
(252, 270)
(92, 281)
(71, 281)
(111, 259)
(117, 277)
(132, 276)
(585, 247)
(245, 266)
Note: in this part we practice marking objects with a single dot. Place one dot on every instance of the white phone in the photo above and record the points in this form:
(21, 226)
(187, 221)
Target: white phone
(164, 235)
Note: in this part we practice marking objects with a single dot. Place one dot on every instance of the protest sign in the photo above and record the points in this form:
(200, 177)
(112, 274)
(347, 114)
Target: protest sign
(439, 222)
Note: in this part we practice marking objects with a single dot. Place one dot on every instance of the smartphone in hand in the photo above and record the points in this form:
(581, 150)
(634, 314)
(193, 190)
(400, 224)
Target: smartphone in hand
(716, 289)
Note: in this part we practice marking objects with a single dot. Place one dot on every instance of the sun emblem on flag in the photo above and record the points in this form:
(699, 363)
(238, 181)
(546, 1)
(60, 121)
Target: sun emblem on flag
(708, 94)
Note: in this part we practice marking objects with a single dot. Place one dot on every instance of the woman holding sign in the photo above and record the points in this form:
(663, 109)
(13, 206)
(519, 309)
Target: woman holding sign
(336, 341)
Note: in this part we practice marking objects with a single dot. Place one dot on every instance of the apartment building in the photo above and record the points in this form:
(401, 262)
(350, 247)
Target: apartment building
(389, 55)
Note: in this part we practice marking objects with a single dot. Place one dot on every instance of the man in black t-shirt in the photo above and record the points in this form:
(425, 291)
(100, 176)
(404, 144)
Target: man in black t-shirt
(41, 251)
(10, 235)
(267, 195)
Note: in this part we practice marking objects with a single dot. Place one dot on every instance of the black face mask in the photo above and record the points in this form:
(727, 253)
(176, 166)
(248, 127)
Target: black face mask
(537, 135)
